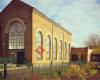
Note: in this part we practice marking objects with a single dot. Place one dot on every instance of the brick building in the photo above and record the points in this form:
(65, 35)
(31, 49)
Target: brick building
(94, 55)
(0, 34)
(28, 34)
(79, 54)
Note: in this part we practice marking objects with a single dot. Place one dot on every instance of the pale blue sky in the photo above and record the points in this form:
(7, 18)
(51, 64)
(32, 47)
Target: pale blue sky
(80, 17)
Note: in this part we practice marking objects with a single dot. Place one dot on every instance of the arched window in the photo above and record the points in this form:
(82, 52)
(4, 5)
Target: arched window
(69, 48)
(55, 49)
(16, 35)
(39, 45)
(65, 51)
(48, 47)
(60, 56)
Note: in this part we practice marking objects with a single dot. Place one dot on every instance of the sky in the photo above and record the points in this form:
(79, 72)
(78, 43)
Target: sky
(80, 17)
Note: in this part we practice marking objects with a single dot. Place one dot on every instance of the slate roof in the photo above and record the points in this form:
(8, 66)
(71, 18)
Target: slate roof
(43, 15)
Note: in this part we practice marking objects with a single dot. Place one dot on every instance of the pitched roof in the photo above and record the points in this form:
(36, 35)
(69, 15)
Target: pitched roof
(43, 15)
(50, 20)
(96, 51)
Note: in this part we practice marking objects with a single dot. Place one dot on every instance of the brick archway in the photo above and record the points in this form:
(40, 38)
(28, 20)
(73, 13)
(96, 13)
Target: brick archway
(12, 20)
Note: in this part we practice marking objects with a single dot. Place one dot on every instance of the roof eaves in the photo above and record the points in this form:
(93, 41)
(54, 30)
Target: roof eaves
(50, 20)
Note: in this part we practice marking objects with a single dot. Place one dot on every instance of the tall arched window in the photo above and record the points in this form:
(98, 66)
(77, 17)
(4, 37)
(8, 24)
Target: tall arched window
(69, 48)
(65, 51)
(55, 49)
(16, 35)
(60, 56)
(39, 45)
(48, 47)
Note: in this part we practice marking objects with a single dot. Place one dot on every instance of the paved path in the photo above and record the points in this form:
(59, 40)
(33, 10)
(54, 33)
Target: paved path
(95, 77)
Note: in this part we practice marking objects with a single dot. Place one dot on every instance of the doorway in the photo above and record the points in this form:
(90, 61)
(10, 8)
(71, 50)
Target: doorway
(20, 57)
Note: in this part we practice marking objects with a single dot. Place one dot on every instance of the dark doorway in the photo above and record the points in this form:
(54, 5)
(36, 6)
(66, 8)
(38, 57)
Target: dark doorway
(74, 57)
(20, 57)
(95, 57)
(82, 57)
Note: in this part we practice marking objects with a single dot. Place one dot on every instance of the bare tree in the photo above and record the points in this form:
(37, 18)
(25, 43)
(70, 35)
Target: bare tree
(93, 41)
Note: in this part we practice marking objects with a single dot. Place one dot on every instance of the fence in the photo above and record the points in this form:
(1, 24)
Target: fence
(32, 72)
(7, 60)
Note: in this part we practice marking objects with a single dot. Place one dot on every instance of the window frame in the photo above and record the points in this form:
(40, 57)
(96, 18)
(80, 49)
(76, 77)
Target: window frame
(61, 49)
(48, 47)
(16, 37)
(55, 49)
(39, 36)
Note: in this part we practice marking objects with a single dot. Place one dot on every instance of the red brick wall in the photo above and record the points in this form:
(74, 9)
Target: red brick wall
(79, 51)
(18, 9)
(0, 36)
